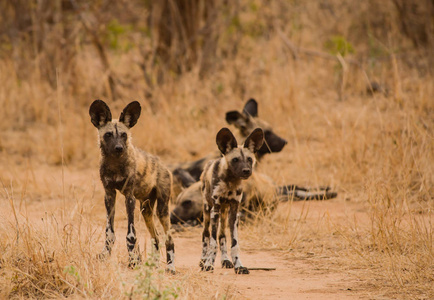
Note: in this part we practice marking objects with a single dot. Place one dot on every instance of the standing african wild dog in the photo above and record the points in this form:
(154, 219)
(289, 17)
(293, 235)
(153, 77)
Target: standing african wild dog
(245, 121)
(136, 174)
(222, 194)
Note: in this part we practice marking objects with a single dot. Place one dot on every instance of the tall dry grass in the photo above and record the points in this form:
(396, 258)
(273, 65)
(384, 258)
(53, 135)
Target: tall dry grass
(375, 149)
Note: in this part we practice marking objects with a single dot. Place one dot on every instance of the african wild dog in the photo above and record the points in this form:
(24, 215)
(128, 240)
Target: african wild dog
(245, 122)
(136, 174)
(259, 191)
(260, 194)
(222, 194)
(248, 120)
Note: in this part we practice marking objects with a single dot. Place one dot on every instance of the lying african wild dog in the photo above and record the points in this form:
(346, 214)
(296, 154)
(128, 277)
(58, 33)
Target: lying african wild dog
(136, 174)
(260, 193)
(246, 121)
(222, 194)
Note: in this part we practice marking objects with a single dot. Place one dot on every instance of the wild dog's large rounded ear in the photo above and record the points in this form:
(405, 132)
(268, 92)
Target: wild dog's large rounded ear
(99, 113)
(251, 108)
(130, 114)
(226, 140)
(255, 140)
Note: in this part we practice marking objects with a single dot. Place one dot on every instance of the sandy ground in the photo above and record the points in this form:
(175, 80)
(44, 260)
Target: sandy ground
(294, 278)
(297, 276)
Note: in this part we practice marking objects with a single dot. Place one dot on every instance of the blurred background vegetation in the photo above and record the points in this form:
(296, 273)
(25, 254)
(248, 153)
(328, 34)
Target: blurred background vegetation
(168, 38)
(348, 83)
(192, 59)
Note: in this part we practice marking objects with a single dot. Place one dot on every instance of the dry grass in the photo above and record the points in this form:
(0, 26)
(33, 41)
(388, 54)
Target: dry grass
(376, 150)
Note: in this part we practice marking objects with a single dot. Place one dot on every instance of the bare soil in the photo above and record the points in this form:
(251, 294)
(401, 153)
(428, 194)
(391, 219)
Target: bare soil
(294, 277)
(297, 275)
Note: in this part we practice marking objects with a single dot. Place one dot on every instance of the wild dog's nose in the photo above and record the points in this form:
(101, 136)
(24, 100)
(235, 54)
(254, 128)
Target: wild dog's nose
(119, 148)
(247, 172)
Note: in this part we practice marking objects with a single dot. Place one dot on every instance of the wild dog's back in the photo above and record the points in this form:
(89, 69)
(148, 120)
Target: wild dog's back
(121, 161)
(150, 173)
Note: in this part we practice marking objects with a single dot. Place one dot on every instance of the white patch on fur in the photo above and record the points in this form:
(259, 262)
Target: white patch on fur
(110, 236)
(212, 252)
(171, 265)
(213, 244)
(223, 190)
(220, 189)
(205, 249)
(131, 234)
(224, 250)
(235, 251)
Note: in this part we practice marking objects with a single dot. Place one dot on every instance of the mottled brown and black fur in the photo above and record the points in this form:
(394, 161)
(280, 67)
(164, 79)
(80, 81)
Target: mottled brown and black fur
(136, 174)
(185, 174)
(222, 193)
(259, 192)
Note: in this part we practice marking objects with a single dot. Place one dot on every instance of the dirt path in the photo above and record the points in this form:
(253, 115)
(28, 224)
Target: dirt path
(293, 278)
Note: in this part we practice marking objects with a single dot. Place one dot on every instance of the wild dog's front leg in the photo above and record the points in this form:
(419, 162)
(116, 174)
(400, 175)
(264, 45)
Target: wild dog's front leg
(235, 249)
(225, 260)
(133, 251)
(212, 250)
(109, 200)
(205, 234)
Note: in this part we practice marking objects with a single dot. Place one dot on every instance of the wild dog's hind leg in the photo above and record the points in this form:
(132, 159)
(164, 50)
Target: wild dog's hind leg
(147, 209)
(133, 250)
(235, 249)
(109, 200)
(205, 234)
(163, 216)
(226, 262)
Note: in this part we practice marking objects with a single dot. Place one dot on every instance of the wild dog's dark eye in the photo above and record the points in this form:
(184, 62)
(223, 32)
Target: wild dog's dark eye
(250, 159)
(235, 159)
(108, 135)
(124, 135)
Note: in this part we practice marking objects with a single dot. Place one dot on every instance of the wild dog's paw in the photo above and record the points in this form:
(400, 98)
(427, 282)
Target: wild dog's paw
(170, 269)
(202, 263)
(227, 264)
(103, 255)
(134, 260)
(207, 268)
(241, 270)
(132, 263)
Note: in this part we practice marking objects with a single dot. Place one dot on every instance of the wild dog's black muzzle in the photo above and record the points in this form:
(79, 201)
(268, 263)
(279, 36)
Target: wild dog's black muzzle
(273, 143)
(246, 172)
(119, 149)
